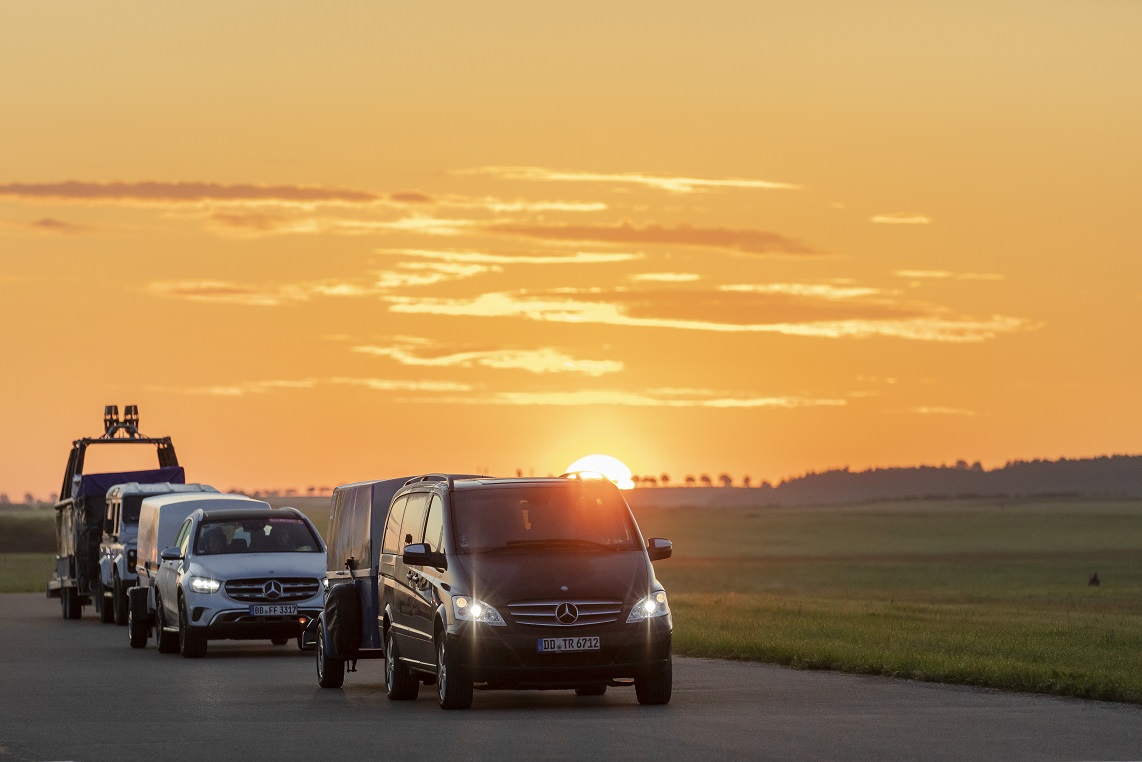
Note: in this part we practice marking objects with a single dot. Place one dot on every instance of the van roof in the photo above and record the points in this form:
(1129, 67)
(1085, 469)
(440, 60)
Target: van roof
(161, 488)
(185, 497)
(258, 511)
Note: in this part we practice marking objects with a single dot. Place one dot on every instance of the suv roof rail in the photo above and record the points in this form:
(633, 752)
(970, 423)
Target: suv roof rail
(433, 478)
(579, 475)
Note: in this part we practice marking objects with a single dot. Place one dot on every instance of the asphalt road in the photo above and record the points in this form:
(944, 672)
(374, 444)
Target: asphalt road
(75, 690)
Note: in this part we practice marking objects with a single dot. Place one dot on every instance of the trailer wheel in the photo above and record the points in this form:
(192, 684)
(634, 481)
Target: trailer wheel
(120, 600)
(69, 599)
(330, 671)
(106, 606)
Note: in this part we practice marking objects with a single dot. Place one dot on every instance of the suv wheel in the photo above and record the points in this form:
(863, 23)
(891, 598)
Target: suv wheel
(192, 641)
(654, 686)
(167, 642)
(330, 671)
(400, 684)
(453, 689)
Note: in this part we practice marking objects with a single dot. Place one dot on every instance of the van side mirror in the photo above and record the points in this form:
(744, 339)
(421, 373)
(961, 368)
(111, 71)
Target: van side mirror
(171, 554)
(658, 548)
(422, 554)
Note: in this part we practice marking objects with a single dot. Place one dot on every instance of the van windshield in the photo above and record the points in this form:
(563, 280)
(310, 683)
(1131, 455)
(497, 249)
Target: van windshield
(575, 515)
(255, 535)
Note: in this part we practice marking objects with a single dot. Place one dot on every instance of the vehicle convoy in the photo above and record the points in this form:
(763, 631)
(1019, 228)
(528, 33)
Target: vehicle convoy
(80, 513)
(512, 583)
(118, 548)
(237, 569)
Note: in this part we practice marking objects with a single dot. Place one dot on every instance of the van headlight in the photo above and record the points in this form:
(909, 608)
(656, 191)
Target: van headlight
(472, 610)
(204, 585)
(649, 607)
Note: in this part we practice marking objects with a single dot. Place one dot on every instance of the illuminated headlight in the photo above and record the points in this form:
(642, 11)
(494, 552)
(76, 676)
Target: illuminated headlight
(204, 585)
(649, 607)
(472, 610)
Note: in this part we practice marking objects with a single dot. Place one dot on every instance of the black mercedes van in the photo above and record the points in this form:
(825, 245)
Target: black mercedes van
(520, 583)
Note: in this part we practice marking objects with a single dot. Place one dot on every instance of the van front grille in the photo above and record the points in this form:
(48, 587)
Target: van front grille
(565, 613)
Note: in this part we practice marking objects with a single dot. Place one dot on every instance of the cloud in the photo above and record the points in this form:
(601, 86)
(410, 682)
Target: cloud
(411, 197)
(670, 183)
(404, 275)
(544, 360)
(184, 192)
(953, 411)
(724, 312)
(666, 277)
(263, 387)
(52, 225)
(945, 275)
(817, 290)
(896, 218)
(747, 241)
(604, 397)
(479, 257)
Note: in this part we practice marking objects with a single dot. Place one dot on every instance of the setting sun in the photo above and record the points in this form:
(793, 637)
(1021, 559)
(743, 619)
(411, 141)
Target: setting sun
(612, 468)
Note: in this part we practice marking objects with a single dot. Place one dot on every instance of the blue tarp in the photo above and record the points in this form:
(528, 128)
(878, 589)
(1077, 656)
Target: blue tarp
(98, 484)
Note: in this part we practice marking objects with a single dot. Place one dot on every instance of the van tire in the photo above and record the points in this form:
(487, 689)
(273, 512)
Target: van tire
(330, 671)
(453, 688)
(653, 687)
(400, 683)
(192, 642)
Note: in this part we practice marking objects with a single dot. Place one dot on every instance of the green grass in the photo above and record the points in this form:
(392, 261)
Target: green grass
(25, 572)
(975, 592)
(978, 592)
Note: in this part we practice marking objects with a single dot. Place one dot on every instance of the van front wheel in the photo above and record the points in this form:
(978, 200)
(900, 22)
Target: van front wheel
(453, 689)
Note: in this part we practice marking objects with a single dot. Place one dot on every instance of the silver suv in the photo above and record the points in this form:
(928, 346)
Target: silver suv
(238, 573)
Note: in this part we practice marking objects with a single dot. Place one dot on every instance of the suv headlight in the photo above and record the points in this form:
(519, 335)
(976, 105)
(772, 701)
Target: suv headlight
(649, 607)
(204, 585)
(472, 610)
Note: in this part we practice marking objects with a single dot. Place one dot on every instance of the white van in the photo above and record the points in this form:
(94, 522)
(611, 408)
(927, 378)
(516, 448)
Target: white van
(160, 518)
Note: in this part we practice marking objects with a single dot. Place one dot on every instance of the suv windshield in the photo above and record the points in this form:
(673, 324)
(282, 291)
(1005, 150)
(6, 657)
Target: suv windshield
(574, 515)
(255, 535)
(131, 507)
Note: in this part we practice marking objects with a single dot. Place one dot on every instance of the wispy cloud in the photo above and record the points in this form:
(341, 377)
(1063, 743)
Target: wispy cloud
(670, 183)
(945, 275)
(545, 360)
(403, 275)
(898, 218)
(746, 241)
(952, 411)
(183, 192)
(705, 312)
(480, 257)
(44, 226)
(263, 387)
(666, 277)
(815, 290)
(604, 397)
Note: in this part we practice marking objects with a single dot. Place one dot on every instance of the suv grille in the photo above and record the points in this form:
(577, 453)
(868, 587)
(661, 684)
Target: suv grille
(272, 589)
(565, 613)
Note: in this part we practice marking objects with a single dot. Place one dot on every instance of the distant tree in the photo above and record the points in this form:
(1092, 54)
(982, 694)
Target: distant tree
(29, 498)
(977, 466)
(765, 485)
(745, 480)
(664, 479)
(53, 498)
(649, 481)
(4, 498)
(726, 480)
(310, 491)
(636, 480)
(690, 481)
(291, 492)
(706, 480)
(961, 465)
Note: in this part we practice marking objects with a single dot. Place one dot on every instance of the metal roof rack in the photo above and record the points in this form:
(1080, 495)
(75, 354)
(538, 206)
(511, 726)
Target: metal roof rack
(579, 475)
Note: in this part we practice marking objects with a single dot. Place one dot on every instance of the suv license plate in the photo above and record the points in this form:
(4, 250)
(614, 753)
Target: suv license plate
(279, 609)
(552, 645)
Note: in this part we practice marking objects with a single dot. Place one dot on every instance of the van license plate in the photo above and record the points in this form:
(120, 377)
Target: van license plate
(549, 645)
(278, 609)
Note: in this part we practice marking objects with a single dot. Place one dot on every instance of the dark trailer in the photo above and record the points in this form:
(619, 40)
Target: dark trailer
(83, 502)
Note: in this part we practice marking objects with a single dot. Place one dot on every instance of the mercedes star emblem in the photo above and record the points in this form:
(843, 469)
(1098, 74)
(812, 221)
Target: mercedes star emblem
(272, 589)
(566, 613)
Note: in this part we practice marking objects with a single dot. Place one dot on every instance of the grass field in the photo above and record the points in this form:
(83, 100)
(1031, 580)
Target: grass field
(979, 592)
(990, 593)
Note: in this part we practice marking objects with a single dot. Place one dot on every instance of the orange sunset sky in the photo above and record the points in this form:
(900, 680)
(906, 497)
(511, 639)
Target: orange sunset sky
(325, 242)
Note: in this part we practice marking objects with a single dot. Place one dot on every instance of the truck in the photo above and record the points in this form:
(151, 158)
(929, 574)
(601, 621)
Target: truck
(119, 546)
(82, 506)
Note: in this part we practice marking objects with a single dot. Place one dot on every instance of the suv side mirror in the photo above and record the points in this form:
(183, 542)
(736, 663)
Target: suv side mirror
(422, 554)
(658, 548)
(171, 554)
